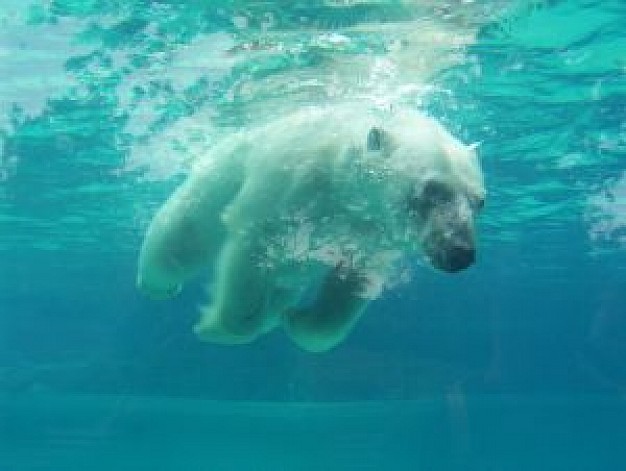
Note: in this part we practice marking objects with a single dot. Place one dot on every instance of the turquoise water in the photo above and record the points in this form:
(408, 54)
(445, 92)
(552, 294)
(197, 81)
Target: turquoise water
(514, 364)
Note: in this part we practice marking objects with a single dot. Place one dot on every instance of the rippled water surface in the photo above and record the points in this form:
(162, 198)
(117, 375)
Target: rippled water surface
(515, 364)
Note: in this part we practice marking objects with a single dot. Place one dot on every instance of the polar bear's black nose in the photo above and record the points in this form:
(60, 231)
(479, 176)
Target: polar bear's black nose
(459, 258)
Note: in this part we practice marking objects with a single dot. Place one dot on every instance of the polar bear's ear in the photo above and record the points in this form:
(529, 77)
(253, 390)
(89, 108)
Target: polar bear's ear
(375, 139)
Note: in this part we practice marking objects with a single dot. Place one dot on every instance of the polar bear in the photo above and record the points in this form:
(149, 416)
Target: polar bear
(304, 219)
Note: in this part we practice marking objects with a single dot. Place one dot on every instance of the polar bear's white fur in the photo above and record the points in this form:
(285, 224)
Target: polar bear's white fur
(303, 219)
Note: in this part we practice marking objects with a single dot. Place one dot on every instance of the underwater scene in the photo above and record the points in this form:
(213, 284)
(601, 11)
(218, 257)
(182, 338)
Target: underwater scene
(306, 235)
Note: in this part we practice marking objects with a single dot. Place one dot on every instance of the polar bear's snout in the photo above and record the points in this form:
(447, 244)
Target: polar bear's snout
(460, 255)
(452, 249)
(460, 258)
(447, 221)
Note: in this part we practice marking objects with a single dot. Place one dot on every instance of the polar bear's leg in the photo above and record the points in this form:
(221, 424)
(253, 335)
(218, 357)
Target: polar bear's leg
(177, 245)
(243, 304)
(187, 232)
(324, 324)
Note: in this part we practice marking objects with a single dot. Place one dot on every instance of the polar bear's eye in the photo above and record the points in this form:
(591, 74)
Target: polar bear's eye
(478, 204)
(374, 140)
(435, 193)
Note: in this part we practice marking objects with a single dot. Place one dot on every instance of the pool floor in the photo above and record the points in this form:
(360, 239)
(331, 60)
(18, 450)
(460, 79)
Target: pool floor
(486, 433)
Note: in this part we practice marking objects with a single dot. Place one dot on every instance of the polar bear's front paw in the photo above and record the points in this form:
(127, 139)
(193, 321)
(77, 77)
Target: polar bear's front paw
(305, 329)
(156, 291)
(215, 333)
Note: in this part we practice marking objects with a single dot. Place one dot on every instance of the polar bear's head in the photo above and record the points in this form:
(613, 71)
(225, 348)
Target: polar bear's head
(439, 183)
(445, 216)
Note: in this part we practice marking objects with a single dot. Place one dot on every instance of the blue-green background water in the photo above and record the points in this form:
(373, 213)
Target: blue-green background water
(515, 364)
